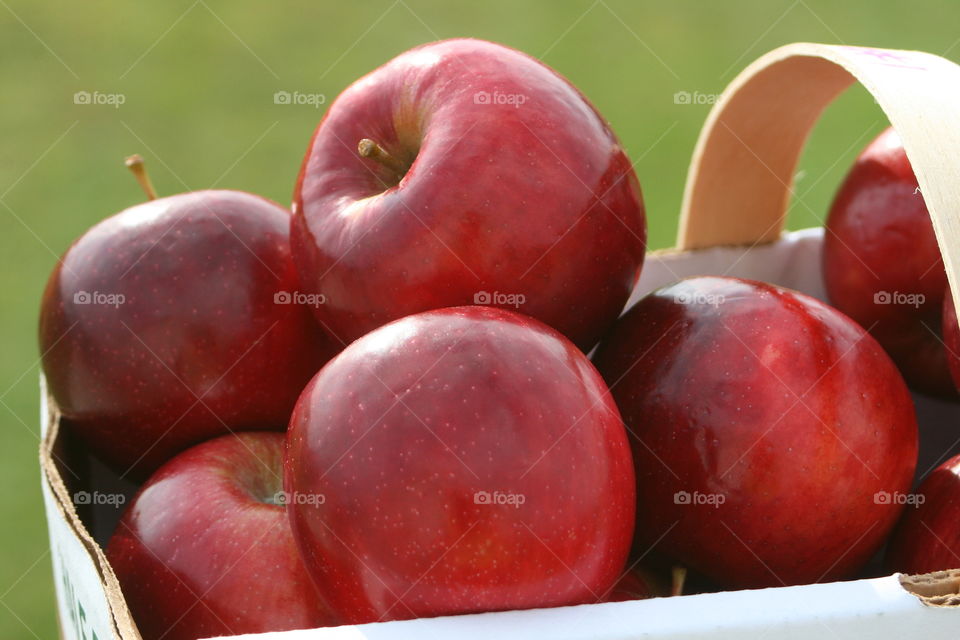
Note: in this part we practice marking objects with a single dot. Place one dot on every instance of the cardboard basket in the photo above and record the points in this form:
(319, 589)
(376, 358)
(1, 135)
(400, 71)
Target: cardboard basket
(734, 206)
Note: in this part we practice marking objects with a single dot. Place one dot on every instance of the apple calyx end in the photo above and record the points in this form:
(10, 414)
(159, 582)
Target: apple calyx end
(136, 165)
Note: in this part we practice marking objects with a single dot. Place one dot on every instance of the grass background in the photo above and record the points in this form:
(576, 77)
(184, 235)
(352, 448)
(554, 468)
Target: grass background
(198, 77)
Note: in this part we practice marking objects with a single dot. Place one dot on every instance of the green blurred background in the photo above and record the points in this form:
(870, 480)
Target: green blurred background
(198, 79)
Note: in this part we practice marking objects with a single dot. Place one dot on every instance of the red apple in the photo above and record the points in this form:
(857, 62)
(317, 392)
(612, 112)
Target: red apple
(206, 550)
(466, 172)
(471, 459)
(951, 336)
(927, 538)
(882, 265)
(765, 428)
(177, 320)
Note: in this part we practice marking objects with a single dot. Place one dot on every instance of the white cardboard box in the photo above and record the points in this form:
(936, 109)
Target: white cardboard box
(90, 605)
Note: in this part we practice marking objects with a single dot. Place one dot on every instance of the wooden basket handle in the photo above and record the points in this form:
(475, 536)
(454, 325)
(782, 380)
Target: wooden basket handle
(741, 176)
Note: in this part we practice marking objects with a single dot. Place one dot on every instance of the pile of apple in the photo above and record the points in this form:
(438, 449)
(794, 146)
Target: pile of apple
(465, 228)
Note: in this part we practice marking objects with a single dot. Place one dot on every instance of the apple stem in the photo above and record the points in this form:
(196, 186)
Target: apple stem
(370, 149)
(679, 577)
(135, 164)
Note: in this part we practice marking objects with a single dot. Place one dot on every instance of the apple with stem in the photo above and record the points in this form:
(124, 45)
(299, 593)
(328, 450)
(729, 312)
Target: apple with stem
(466, 172)
(205, 548)
(471, 459)
(882, 265)
(766, 427)
(177, 320)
